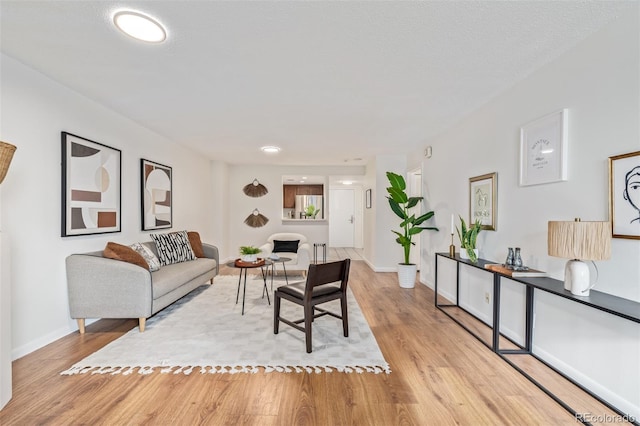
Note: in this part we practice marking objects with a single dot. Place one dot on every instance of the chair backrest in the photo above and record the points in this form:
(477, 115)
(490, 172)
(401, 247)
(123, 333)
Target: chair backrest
(327, 273)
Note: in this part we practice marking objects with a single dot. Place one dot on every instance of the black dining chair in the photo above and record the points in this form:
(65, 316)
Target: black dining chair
(325, 282)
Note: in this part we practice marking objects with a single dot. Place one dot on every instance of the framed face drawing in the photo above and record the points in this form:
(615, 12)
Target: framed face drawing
(624, 195)
(483, 200)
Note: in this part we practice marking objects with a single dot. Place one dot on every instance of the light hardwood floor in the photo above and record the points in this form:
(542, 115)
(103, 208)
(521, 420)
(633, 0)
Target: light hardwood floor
(440, 375)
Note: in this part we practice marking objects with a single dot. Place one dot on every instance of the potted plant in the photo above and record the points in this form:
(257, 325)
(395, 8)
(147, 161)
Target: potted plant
(311, 212)
(249, 253)
(401, 204)
(468, 237)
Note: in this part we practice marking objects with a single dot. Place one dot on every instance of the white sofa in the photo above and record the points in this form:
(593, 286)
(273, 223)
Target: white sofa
(300, 259)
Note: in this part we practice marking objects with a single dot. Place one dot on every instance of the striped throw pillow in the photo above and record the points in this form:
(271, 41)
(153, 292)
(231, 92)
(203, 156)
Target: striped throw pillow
(173, 247)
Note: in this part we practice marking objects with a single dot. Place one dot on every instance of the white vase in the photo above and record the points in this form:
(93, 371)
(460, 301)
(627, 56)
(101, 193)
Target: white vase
(465, 255)
(249, 257)
(407, 275)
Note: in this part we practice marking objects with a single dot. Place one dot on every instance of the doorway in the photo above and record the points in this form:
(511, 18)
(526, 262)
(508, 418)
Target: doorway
(414, 189)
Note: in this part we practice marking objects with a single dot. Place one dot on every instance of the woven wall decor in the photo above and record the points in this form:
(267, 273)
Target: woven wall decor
(255, 189)
(256, 219)
(6, 154)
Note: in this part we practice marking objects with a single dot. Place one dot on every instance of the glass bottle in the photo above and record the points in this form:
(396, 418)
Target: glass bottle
(517, 260)
(509, 261)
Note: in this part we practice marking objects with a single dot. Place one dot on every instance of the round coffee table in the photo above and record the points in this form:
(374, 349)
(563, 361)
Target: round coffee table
(282, 260)
(244, 266)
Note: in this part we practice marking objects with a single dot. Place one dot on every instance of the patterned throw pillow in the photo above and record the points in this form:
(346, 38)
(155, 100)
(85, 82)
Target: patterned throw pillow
(173, 247)
(144, 251)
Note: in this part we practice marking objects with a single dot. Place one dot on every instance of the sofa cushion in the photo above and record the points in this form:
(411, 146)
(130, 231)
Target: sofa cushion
(173, 247)
(148, 255)
(173, 276)
(124, 253)
(196, 243)
(287, 246)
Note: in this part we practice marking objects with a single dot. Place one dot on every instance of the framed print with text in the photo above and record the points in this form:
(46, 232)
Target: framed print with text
(543, 149)
(624, 195)
(91, 187)
(483, 200)
(157, 196)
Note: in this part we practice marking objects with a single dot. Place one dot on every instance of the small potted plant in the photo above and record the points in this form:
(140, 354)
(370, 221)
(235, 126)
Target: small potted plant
(249, 253)
(468, 237)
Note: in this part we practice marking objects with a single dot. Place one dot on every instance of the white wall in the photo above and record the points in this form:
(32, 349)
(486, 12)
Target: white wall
(35, 110)
(598, 81)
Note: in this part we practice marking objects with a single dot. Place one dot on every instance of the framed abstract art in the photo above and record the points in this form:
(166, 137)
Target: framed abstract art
(156, 195)
(624, 195)
(91, 187)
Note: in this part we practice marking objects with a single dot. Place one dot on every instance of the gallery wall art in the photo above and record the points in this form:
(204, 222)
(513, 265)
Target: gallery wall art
(91, 187)
(157, 195)
(624, 195)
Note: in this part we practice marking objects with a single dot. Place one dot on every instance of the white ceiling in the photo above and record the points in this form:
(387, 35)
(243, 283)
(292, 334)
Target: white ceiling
(326, 81)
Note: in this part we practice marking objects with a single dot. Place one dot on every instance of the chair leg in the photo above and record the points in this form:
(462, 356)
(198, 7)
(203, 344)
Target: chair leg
(345, 317)
(308, 319)
(276, 312)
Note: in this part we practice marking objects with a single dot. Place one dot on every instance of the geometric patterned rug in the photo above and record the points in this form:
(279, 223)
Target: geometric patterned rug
(205, 332)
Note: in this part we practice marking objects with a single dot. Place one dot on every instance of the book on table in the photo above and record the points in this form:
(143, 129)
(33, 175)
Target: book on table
(528, 272)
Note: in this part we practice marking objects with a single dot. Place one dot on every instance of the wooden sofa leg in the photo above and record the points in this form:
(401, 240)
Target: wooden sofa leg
(141, 323)
(80, 325)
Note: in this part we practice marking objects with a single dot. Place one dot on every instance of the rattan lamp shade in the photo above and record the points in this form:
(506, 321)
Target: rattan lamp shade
(6, 154)
(579, 240)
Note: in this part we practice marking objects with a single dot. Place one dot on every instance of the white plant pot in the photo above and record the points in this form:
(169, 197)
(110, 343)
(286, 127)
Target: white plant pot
(407, 275)
(249, 257)
(464, 255)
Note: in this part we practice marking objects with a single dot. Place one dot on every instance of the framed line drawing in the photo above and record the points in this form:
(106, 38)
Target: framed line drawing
(367, 198)
(483, 200)
(156, 182)
(91, 187)
(543, 149)
(624, 195)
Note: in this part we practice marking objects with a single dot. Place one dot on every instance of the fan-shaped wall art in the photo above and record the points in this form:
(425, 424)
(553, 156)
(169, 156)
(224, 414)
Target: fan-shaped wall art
(255, 189)
(256, 219)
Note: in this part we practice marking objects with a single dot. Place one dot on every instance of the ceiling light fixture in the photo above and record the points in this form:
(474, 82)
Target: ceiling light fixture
(347, 182)
(270, 149)
(140, 26)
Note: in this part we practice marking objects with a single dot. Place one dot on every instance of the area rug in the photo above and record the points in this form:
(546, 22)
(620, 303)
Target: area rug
(205, 332)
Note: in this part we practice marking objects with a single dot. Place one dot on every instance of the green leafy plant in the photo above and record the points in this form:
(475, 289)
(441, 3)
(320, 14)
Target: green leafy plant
(401, 203)
(244, 250)
(311, 211)
(468, 237)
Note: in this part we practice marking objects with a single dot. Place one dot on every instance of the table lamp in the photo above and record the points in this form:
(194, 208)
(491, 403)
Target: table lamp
(579, 241)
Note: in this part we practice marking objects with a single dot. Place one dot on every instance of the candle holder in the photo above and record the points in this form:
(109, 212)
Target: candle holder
(452, 248)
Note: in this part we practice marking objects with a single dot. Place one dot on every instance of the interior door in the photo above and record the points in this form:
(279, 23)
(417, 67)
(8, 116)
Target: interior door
(341, 217)
(414, 189)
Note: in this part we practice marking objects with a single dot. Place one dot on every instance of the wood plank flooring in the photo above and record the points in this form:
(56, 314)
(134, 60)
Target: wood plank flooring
(441, 375)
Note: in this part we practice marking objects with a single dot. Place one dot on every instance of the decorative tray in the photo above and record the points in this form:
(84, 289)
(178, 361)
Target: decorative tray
(242, 264)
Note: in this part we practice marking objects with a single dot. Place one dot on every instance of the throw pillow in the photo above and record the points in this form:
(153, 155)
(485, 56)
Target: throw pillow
(124, 253)
(147, 254)
(196, 243)
(173, 247)
(286, 246)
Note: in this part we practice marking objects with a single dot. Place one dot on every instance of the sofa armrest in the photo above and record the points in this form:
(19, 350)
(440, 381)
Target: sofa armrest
(106, 288)
(304, 255)
(211, 252)
(265, 250)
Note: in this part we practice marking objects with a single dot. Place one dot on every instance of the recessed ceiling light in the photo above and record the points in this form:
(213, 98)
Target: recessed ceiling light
(140, 26)
(270, 149)
(347, 182)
